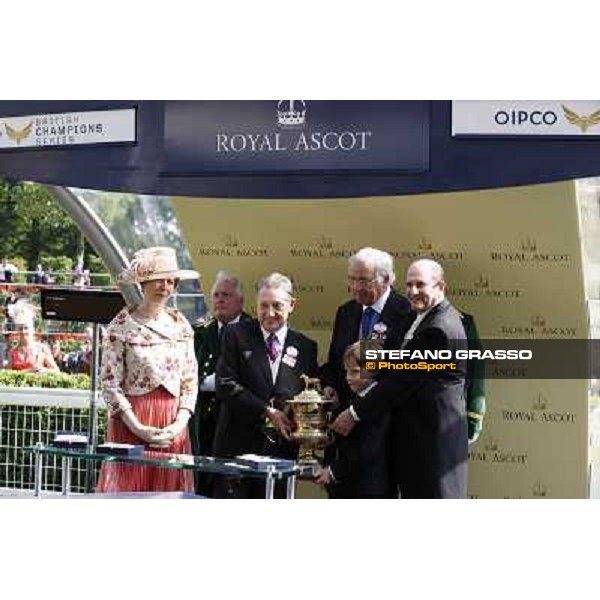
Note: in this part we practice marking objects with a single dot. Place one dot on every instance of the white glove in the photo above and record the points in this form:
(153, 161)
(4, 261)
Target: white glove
(208, 383)
(144, 432)
(165, 436)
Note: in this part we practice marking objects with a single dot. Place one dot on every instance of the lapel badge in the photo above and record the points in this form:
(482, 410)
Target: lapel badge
(379, 331)
(247, 354)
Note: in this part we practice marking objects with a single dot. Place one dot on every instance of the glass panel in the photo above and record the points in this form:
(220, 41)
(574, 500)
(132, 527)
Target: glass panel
(206, 464)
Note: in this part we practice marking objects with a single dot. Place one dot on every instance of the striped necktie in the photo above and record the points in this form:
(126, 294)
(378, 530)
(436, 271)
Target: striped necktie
(272, 347)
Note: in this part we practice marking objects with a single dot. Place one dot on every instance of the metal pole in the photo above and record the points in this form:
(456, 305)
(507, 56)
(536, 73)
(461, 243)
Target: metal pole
(66, 463)
(269, 485)
(90, 470)
(291, 487)
(37, 489)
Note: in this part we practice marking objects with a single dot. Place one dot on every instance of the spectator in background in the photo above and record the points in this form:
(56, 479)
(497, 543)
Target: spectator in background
(9, 307)
(228, 300)
(29, 354)
(48, 278)
(38, 275)
(2, 270)
(87, 351)
(80, 361)
(15, 303)
(9, 272)
(78, 275)
(57, 353)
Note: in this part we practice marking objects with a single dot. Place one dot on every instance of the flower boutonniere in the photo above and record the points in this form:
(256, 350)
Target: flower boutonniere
(291, 356)
(379, 331)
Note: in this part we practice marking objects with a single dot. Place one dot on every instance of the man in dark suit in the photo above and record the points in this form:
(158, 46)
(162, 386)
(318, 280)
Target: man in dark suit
(429, 425)
(227, 300)
(475, 392)
(376, 311)
(260, 367)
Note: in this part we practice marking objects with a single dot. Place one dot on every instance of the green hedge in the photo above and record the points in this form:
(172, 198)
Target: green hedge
(80, 381)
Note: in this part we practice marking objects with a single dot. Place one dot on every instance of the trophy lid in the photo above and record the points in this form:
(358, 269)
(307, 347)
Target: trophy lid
(311, 392)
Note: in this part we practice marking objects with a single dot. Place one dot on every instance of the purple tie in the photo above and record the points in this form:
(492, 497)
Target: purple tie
(272, 347)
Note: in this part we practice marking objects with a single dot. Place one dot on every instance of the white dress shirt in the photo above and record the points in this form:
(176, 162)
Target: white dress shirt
(208, 383)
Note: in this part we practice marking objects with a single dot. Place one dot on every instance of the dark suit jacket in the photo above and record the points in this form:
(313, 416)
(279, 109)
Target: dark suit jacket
(204, 420)
(475, 371)
(346, 331)
(245, 388)
(429, 427)
(360, 462)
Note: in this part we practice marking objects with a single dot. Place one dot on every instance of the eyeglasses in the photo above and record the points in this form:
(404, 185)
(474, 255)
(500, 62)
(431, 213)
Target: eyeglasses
(362, 283)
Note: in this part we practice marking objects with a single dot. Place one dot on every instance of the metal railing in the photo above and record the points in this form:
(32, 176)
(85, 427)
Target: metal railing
(28, 416)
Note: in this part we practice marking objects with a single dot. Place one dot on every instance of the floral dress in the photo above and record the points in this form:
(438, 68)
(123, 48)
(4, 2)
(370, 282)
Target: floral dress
(148, 365)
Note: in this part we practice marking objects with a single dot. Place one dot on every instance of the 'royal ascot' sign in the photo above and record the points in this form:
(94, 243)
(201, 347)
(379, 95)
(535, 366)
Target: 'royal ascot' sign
(296, 135)
(68, 129)
(526, 117)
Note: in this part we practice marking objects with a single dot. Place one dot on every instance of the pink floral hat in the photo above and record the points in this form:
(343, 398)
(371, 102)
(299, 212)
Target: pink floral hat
(155, 263)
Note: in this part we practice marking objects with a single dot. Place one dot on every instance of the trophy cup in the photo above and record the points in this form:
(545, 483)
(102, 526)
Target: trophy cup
(309, 415)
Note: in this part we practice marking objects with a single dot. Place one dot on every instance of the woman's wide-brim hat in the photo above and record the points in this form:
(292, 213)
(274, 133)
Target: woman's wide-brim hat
(22, 313)
(155, 263)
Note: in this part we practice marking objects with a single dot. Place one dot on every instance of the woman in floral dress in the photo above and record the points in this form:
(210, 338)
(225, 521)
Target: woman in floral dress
(149, 377)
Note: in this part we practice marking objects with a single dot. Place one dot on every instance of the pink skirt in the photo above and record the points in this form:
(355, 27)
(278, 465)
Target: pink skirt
(158, 408)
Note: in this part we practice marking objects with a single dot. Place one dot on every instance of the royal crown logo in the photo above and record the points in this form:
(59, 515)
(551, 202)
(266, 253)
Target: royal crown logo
(540, 402)
(324, 242)
(231, 241)
(583, 122)
(425, 245)
(482, 282)
(538, 321)
(529, 245)
(539, 490)
(291, 113)
(492, 445)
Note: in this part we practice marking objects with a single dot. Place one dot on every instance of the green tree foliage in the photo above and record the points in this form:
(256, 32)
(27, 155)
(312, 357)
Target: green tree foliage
(62, 265)
(98, 273)
(34, 224)
(37, 229)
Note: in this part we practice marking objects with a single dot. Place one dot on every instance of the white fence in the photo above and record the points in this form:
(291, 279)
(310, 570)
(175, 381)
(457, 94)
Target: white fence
(31, 415)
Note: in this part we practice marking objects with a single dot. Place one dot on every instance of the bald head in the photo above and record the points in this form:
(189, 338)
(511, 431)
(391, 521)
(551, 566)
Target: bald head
(425, 285)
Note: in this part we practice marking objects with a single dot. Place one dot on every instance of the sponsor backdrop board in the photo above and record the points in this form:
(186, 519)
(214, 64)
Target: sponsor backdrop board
(512, 258)
(555, 118)
(68, 129)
